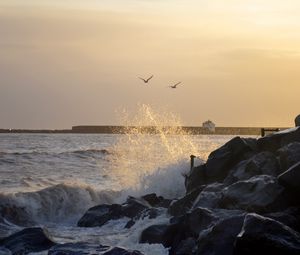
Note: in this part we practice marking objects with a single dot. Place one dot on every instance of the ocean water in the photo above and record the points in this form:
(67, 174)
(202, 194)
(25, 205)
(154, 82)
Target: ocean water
(54, 178)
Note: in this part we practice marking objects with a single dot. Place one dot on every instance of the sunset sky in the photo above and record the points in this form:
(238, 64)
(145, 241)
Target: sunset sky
(72, 62)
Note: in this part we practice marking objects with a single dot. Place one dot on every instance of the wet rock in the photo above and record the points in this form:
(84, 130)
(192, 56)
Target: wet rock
(210, 196)
(264, 163)
(289, 155)
(297, 121)
(121, 251)
(220, 238)
(157, 234)
(260, 193)
(97, 216)
(156, 201)
(220, 161)
(182, 205)
(289, 217)
(262, 235)
(4, 251)
(196, 178)
(27, 240)
(185, 247)
(78, 248)
(275, 141)
(291, 179)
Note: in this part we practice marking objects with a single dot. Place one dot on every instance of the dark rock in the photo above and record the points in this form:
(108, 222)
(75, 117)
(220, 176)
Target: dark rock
(291, 179)
(182, 205)
(262, 235)
(185, 247)
(289, 217)
(78, 249)
(130, 223)
(223, 159)
(97, 216)
(289, 155)
(4, 251)
(121, 251)
(297, 121)
(260, 193)
(196, 178)
(157, 201)
(210, 196)
(277, 140)
(156, 234)
(220, 238)
(27, 240)
(264, 163)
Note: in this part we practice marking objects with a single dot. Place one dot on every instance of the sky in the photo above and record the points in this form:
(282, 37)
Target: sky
(77, 62)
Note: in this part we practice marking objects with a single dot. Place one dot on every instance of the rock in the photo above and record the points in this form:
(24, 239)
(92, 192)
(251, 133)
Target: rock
(220, 238)
(196, 178)
(97, 216)
(262, 235)
(260, 193)
(27, 240)
(275, 141)
(263, 163)
(157, 201)
(220, 161)
(121, 251)
(88, 249)
(4, 251)
(291, 179)
(289, 217)
(185, 247)
(297, 121)
(78, 248)
(156, 234)
(289, 155)
(210, 196)
(182, 205)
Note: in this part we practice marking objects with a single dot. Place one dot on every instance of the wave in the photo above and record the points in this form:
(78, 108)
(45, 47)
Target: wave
(75, 152)
(62, 203)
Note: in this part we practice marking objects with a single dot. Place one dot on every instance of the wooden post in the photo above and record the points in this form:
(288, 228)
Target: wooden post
(192, 161)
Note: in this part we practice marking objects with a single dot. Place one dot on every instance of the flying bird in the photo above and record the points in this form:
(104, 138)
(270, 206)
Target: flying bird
(175, 85)
(146, 80)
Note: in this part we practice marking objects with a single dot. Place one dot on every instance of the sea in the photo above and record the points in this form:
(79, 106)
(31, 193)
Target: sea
(55, 178)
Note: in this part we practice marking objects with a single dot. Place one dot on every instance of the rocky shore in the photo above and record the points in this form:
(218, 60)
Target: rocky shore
(244, 200)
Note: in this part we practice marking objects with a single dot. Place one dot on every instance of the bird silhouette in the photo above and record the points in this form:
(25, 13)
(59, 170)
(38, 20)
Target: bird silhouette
(146, 80)
(175, 85)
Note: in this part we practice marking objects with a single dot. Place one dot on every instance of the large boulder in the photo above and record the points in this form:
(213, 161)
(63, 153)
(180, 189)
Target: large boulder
(27, 240)
(220, 238)
(289, 155)
(263, 163)
(279, 139)
(262, 235)
(260, 193)
(220, 161)
(291, 179)
(182, 205)
(210, 196)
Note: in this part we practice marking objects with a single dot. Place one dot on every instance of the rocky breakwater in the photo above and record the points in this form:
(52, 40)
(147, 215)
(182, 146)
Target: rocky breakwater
(244, 200)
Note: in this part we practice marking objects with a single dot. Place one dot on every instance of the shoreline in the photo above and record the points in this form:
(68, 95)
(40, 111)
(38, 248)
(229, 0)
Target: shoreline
(145, 130)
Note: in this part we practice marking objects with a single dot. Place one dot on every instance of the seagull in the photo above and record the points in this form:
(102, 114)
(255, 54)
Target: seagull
(146, 80)
(175, 85)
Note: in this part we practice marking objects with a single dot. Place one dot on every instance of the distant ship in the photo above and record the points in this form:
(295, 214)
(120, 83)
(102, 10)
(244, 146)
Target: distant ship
(209, 125)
